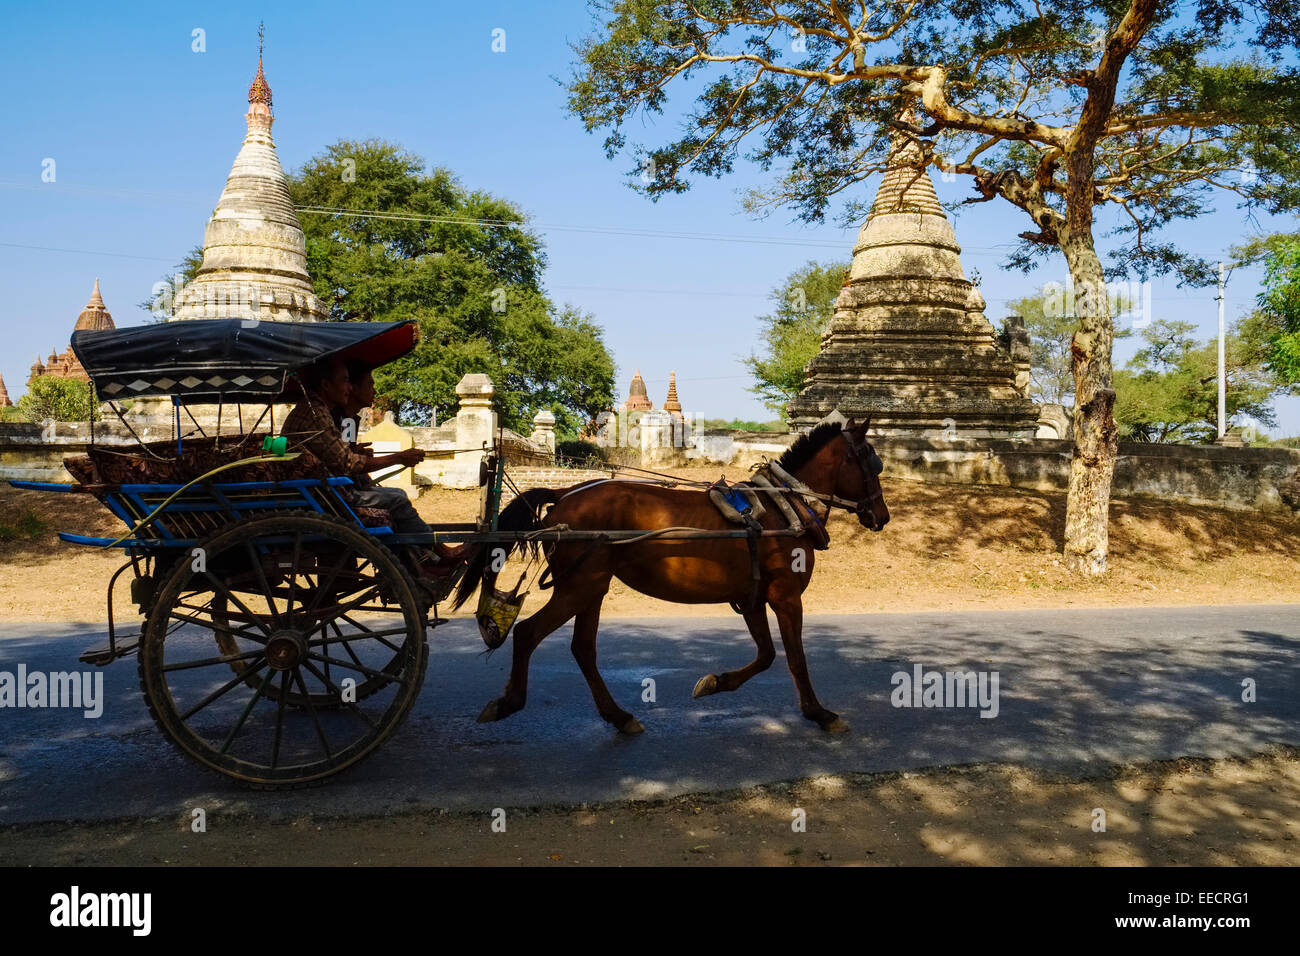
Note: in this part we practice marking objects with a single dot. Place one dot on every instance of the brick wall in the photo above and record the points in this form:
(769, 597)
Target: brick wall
(526, 477)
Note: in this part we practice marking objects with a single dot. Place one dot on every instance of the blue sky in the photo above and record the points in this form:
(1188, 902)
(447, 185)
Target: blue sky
(143, 130)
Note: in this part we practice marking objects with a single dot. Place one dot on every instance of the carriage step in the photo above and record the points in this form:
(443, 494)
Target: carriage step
(104, 654)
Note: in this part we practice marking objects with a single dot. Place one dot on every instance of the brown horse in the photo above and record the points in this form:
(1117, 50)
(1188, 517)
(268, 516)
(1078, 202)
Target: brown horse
(834, 460)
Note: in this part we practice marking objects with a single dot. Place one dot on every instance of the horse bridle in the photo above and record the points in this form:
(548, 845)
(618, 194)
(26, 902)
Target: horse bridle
(870, 464)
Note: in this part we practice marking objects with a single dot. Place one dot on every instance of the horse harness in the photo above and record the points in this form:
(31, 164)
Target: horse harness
(791, 495)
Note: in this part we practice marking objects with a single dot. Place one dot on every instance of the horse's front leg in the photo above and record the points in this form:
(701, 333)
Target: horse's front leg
(789, 618)
(527, 635)
(730, 680)
(585, 626)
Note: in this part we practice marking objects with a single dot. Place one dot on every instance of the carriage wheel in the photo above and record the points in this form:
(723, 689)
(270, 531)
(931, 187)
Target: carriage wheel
(226, 625)
(324, 632)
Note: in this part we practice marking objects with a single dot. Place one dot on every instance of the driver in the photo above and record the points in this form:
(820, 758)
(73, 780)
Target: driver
(327, 386)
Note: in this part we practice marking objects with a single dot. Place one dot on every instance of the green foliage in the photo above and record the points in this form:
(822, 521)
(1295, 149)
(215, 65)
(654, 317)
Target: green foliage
(1168, 392)
(577, 450)
(740, 425)
(60, 399)
(161, 304)
(1049, 336)
(1279, 309)
(791, 334)
(473, 287)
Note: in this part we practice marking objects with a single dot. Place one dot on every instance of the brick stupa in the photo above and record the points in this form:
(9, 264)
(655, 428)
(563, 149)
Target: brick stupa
(908, 344)
(95, 317)
(638, 400)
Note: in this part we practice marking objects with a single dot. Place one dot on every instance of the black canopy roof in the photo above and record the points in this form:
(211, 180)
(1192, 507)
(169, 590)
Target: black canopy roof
(203, 360)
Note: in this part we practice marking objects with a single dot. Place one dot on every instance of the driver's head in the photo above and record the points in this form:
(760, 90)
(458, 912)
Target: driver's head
(329, 380)
(362, 383)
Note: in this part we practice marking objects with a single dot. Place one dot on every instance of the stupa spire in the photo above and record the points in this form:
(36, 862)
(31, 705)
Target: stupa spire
(259, 93)
(5, 401)
(671, 404)
(95, 316)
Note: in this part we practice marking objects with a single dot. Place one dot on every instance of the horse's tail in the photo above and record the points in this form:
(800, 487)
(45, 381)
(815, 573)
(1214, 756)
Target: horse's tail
(522, 514)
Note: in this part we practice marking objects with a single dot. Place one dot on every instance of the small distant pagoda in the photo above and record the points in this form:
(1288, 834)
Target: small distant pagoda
(637, 398)
(671, 405)
(908, 344)
(94, 316)
(5, 401)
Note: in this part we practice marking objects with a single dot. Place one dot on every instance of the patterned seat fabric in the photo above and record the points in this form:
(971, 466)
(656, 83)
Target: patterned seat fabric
(105, 466)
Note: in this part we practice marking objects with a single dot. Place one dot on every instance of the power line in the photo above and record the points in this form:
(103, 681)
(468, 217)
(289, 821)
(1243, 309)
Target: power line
(84, 252)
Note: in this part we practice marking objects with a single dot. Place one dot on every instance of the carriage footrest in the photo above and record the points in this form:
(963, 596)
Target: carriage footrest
(102, 654)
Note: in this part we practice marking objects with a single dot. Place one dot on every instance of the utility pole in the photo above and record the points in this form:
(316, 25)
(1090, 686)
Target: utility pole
(1223, 375)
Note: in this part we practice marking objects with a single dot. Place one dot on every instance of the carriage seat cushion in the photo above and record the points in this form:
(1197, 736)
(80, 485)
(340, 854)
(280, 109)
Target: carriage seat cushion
(110, 466)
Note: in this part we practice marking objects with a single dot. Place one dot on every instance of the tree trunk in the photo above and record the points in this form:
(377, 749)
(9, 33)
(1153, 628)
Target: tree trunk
(1096, 440)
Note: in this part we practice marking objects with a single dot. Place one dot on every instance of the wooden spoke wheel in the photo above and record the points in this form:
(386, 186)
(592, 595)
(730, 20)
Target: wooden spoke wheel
(287, 649)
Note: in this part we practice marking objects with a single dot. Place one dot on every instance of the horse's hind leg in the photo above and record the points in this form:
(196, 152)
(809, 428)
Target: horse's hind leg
(564, 603)
(584, 652)
(730, 680)
(789, 618)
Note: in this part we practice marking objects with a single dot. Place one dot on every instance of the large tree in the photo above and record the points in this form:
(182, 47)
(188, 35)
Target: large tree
(802, 308)
(465, 265)
(1064, 109)
(388, 241)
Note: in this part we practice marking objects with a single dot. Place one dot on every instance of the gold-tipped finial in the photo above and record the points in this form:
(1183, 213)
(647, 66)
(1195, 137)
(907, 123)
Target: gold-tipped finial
(260, 91)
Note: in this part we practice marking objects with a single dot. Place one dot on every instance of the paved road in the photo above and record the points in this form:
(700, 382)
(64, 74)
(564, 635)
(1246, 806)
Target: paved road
(1076, 689)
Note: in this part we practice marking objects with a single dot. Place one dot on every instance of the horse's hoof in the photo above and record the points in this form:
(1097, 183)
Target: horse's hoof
(835, 726)
(706, 685)
(490, 713)
(631, 727)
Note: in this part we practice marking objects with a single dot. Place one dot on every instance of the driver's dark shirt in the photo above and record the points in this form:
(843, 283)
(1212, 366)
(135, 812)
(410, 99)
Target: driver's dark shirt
(311, 424)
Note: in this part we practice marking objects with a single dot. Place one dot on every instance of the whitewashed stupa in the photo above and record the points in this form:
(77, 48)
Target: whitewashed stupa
(254, 251)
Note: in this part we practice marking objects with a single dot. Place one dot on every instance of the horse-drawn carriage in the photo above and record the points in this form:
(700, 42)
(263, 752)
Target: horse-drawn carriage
(281, 636)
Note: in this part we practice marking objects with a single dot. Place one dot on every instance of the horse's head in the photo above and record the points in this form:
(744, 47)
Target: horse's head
(859, 480)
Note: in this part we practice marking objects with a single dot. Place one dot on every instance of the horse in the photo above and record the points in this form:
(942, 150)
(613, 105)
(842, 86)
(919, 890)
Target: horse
(834, 460)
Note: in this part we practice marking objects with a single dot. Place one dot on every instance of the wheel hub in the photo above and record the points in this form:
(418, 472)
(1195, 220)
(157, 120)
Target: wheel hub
(285, 650)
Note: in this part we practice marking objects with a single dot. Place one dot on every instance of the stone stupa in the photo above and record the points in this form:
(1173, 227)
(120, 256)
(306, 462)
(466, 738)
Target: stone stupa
(908, 345)
(254, 251)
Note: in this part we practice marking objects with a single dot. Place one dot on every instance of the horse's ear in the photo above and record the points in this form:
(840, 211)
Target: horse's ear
(866, 425)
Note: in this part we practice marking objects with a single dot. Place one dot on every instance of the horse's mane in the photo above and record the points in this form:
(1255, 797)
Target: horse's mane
(808, 445)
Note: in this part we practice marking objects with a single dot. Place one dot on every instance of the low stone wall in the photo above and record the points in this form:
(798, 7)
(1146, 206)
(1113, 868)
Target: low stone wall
(30, 452)
(1240, 478)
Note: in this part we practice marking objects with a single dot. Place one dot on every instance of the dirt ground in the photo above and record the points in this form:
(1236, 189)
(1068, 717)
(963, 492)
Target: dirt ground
(947, 547)
(1183, 812)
